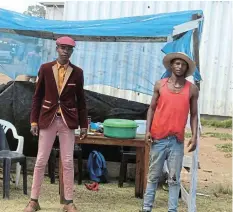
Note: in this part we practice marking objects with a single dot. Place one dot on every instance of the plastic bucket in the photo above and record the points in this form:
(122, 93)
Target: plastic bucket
(141, 130)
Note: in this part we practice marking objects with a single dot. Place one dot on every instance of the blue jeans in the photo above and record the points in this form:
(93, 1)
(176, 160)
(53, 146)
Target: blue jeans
(173, 151)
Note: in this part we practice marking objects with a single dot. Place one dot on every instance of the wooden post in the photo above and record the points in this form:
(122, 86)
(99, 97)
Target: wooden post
(194, 168)
(196, 46)
(193, 183)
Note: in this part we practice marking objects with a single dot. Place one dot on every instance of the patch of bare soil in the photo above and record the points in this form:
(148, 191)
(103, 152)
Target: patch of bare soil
(215, 166)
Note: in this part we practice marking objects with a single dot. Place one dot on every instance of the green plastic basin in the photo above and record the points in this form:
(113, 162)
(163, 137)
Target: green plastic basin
(120, 128)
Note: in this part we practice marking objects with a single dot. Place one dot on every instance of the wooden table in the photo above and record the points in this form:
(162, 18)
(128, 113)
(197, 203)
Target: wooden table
(142, 159)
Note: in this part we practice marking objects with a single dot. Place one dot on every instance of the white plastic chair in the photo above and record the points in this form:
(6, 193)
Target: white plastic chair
(6, 126)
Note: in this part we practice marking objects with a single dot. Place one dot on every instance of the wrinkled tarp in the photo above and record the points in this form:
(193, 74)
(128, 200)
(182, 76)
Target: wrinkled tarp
(183, 44)
(159, 25)
(15, 107)
(138, 71)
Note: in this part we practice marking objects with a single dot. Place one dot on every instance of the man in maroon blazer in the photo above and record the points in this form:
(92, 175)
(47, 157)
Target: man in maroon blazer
(58, 107)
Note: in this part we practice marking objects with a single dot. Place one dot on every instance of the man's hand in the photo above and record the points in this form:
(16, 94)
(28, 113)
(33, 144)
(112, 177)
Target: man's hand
(192, 144)
(34, 130)
(148, 138)
(83, 133)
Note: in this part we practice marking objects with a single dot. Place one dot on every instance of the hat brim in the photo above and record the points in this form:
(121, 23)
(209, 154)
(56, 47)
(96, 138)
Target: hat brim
(177, 55)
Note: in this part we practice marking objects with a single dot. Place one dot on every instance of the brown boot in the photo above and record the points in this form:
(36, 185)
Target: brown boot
(70, 208)
(32, 207)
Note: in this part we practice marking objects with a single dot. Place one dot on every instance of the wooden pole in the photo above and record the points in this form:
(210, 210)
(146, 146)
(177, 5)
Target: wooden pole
(196, 46)
(194, 167)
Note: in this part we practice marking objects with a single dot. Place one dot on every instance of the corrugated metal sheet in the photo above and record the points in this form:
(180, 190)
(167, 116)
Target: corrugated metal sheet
(216, 51)
(55, 12)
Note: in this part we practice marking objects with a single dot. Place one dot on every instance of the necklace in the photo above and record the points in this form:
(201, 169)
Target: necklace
(177, 87)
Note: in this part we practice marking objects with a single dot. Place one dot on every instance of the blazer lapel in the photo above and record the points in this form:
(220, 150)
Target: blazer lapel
(55, 73)
(68, 73)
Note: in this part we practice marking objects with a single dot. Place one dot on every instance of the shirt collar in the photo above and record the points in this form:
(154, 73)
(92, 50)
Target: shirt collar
(65, 65)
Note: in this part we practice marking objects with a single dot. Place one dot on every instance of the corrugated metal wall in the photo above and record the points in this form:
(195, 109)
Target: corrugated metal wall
(55, 12)
(216, 51)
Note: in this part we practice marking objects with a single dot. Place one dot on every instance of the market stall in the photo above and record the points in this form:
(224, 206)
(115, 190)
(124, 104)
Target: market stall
(179, 32)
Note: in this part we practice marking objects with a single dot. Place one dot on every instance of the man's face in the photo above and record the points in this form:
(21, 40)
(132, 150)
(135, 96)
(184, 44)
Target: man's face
(179, 67)
(64, 52)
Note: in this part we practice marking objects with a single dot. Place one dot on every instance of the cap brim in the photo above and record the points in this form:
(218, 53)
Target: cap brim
(171, 56)
(65, 44)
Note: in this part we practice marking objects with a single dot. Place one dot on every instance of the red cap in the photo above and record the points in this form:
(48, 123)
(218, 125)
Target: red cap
(65, 41)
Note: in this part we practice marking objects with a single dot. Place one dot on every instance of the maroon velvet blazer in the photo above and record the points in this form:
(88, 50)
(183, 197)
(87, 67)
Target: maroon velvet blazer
(46, 99)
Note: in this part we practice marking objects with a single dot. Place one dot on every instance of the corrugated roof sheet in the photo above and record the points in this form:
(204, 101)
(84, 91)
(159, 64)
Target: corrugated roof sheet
(216, 58)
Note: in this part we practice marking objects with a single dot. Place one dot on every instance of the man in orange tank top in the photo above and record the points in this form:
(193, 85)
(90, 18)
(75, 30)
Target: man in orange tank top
(167, 116)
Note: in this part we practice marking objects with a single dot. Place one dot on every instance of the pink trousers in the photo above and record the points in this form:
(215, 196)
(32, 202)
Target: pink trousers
(46, 140)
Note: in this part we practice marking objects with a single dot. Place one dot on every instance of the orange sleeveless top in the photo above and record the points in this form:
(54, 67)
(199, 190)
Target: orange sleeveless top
(171, 113)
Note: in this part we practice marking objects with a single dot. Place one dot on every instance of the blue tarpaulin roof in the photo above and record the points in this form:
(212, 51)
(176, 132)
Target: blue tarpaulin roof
(139, 64)
(159, 25)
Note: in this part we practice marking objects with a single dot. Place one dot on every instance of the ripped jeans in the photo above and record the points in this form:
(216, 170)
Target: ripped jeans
(173, 151)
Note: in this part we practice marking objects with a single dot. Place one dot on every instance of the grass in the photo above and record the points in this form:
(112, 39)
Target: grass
(110, 198)
(224, 147)
(216, 123)
(216, 202)
(213, 197)
(227, 148)
(221, 136)
(223, 189)
(188, 135)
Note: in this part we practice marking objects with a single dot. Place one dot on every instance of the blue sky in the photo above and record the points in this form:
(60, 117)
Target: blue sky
(16, 5)
(21, 5)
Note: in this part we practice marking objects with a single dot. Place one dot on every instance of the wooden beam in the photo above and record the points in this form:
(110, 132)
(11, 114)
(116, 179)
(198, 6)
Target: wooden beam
(193, 182)
(116, 38)
(194, 170)
(182, 28)
(194, 167)
(187, 161)
(184, 194)
(196, 43)
(50, 35)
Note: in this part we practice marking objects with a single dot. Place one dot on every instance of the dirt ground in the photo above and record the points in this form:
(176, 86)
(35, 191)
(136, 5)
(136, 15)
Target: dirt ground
(216, 168)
